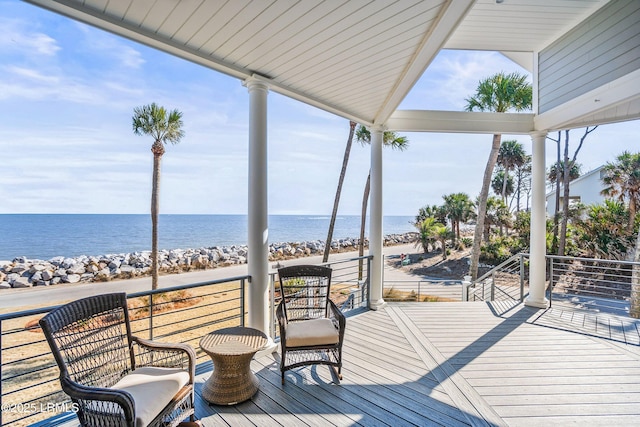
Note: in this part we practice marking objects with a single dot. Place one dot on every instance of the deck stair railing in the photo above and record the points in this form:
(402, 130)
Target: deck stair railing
(506, 282)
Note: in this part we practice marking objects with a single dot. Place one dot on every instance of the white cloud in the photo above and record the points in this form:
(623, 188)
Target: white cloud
(17, 37)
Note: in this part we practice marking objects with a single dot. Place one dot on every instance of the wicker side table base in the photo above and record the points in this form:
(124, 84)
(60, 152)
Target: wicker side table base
(231, 351)
(231, 381)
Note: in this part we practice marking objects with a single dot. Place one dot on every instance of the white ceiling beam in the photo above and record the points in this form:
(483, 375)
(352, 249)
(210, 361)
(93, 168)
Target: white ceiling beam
(431, 45)
(460, 122)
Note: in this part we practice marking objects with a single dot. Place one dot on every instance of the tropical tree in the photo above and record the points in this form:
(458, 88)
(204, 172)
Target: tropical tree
(603, 234)
(426, 232)
(501, 186)
(622, 180)
(523, 181)
(163, 126)
(567, 163)
(389, 139)
(511, 155)
(499, 93)
(433, 211)
(557, 171)
(497, 215)
(459, 208)
(336, 200)
(441, 233)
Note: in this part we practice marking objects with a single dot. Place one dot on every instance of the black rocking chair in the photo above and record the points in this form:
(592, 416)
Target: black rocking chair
(311, 325)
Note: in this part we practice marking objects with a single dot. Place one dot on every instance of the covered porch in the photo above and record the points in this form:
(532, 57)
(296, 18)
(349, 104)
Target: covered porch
(360, 59)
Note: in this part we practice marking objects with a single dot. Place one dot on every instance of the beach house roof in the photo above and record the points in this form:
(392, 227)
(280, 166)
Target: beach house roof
(360, 58)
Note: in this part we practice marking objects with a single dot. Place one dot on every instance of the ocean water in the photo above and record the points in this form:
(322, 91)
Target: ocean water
(44, 236)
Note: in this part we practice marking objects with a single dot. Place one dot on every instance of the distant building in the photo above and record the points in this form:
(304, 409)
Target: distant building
(585, 189)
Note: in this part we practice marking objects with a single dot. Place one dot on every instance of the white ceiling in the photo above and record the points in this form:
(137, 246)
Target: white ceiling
(356, 58)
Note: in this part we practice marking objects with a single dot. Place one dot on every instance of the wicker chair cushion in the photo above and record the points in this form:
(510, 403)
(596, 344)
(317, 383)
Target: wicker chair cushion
(312, 332)
(152, 389)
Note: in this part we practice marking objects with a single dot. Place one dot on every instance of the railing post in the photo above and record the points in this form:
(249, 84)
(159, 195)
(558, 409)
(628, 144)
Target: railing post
(151, 316)
(272, 292)
(550, 281)
(418, 297)
(242, 301)
(521, 277)
(466, 283)
(365, 296)
(493, 287)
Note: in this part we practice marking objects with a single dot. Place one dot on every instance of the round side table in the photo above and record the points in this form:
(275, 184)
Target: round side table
(231, 350)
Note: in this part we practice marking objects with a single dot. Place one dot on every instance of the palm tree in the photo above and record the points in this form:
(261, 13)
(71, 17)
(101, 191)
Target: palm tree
(500, 185)
(389, 139)
(336, 200)
(163, 126)
(441, 233)
(433, 211)
(426, 233)
(497, 215)
(511, 155)
(499, 93)
(459, 208)
(622, 180)
(575, 170)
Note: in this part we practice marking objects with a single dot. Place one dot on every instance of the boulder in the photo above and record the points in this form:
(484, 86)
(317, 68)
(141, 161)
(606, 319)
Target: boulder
(71, 278)
(21, 282)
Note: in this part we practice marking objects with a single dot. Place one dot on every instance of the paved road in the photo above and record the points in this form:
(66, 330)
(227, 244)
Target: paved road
(19, 299)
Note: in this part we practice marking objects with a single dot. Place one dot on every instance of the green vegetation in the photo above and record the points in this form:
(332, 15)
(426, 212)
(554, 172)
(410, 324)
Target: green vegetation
(605, 231)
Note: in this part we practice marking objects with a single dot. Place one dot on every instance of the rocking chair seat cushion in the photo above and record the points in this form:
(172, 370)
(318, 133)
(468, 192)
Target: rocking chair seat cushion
(312, 332)
(152, 389)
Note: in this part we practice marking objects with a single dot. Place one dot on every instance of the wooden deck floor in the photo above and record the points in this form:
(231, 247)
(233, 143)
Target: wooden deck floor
(450, 364)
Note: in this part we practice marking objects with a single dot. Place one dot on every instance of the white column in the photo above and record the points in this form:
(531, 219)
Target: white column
(258, 244)
(538, 239)
(376, 239)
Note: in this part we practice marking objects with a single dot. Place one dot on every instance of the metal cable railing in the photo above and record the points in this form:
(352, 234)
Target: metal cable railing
(29, 387)
(30, 390)
(596, 284)
(606, 286)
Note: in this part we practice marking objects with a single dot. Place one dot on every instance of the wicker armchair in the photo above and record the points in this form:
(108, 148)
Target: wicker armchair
(311, 325)
(112, 377)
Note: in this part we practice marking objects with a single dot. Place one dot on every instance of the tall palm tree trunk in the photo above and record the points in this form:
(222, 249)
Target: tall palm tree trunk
(363, 222)
(482, 206)
(157, 150)
(557, 199)
(336, 201)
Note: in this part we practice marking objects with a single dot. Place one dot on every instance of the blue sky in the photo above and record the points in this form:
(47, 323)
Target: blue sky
(67, 94)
